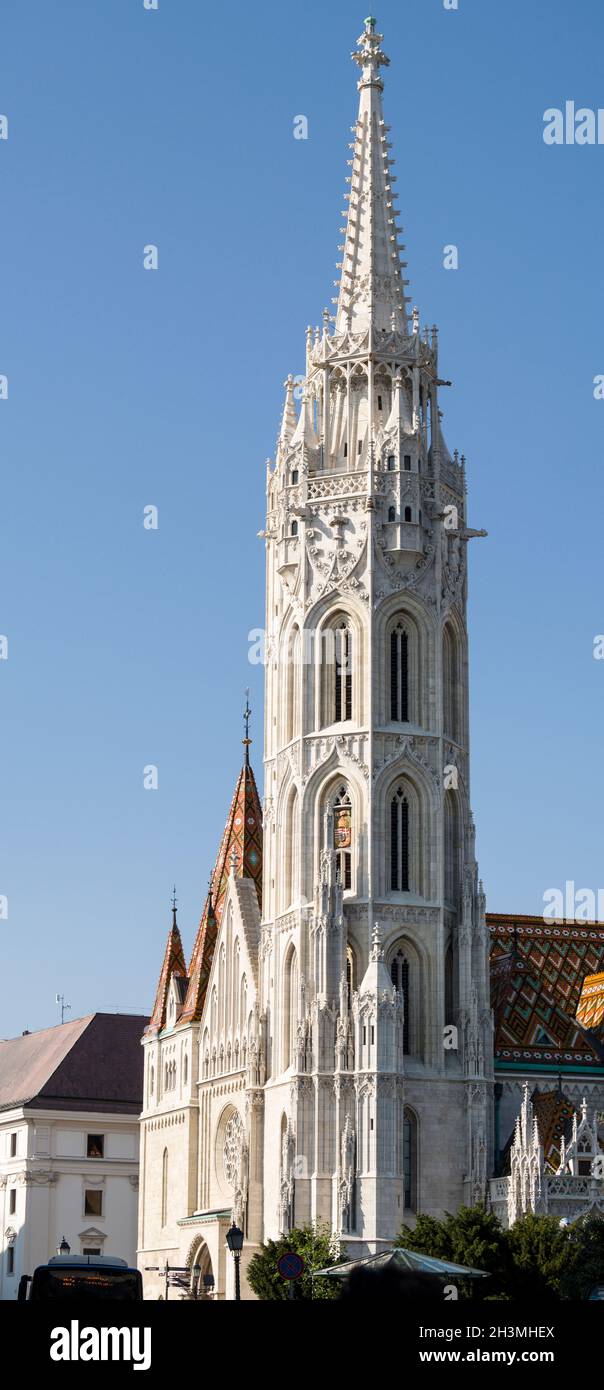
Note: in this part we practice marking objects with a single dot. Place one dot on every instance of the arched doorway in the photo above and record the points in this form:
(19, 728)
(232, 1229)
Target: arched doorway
(202, 1286)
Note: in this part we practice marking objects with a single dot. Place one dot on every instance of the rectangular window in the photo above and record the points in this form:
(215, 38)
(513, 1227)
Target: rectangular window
(379, 402)
(12, 1201)
(391, 463)
(91, 1250)
(95, 1145)
(93, 1202)
(13, 1146)
(407, 462)
(10, 1260)
(360, 445)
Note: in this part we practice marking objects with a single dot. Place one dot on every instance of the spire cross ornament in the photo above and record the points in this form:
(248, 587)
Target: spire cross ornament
(174, 906)
(247, 714)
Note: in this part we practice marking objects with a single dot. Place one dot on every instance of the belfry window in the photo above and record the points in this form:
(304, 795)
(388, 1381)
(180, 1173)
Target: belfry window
(399, 842)
(399, 974)
(343, 673)
(407, 463)
(407, 514)
(379, 402)
(360, 446)
(346, 451)
(399, 675)
(342, 836)
(391, 514)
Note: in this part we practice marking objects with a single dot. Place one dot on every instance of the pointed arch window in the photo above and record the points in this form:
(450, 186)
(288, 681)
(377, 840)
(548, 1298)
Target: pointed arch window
(342, 832)
(410, 1159)
(392, 513)
(294, 528)
(407, 514)
(343, 673)
(399, 675)
(399, 842)
(164, 1188)
(290, 1008)
(399, 974)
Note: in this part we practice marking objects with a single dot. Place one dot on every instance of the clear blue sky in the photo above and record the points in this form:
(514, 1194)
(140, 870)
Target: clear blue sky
(127, 387)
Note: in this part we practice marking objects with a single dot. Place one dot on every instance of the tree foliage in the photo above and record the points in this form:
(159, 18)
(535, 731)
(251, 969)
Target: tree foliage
(584, 1265)
(317, 1247)
(526, 1262)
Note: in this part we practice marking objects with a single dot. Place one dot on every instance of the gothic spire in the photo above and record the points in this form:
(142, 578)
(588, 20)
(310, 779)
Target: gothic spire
(241, 853)
(173, 964)
(371, 288)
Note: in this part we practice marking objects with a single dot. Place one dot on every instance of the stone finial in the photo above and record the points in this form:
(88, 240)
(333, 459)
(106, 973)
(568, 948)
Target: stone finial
(377, 951)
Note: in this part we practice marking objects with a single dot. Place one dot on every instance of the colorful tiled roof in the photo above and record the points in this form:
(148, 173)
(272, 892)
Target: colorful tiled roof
(590, 1012)
(241, 847)
(554, 1113)
(174, 964)
(538, 970)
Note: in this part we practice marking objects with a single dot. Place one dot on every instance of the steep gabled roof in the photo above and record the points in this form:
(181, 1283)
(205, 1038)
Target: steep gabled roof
(93, 1063)
(173, 964)
(538, 969)
(241, 848)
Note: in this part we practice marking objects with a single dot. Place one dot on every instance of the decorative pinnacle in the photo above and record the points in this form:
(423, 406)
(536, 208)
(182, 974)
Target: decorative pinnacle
(247, 714)
(174, 906)
(371, 57)
(376, 944)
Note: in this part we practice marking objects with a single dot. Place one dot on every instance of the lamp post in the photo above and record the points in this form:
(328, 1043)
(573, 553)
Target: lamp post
(234, 1238)
(64, 1248)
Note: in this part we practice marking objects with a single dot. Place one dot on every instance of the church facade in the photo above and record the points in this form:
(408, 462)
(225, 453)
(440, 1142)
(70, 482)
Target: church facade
(327, 1053)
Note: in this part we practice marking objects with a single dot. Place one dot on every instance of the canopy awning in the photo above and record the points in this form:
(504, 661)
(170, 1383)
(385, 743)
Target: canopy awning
(403, 1259)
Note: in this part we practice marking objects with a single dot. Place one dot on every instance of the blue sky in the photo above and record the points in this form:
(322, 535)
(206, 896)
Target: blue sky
(126, 388)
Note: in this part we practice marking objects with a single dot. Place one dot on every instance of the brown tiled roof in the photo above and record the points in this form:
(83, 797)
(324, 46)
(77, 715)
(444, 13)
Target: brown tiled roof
(537, 972)
(173, 964)
(93, 1063)
(242, 834)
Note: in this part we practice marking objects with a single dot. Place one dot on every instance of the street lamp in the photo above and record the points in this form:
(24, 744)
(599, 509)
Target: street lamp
(64, 1248)
(234, 1238)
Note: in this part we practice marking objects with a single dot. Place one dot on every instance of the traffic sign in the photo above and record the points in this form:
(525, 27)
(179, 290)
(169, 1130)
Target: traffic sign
(290, 1265)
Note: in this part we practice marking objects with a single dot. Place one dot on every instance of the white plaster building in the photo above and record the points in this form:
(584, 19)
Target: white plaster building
(70, 1097)
(328, 1054)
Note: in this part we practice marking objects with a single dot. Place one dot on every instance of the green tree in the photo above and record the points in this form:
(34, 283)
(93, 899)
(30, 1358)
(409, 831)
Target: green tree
(539, 1250)
(584, 1265)
(318, 1248)
(473, 1237)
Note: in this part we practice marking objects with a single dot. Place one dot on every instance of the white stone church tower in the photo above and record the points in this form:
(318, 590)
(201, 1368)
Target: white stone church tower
(329, 1056)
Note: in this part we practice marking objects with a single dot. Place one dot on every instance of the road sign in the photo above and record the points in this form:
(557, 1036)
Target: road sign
(290, 1265)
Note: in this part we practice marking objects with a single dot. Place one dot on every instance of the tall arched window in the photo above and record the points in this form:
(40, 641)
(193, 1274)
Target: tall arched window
(399, 974)
(350, 974)
(343, 673)
(342, 833)
(164, 1188)
(290, 849)
(410, 1159)
(291, 657)
(452, 848)
(399, 842)
(290, 1007)
(399, 675)
(450, 683)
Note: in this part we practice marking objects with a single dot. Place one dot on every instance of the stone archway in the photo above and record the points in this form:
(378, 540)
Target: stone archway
(202, 1283)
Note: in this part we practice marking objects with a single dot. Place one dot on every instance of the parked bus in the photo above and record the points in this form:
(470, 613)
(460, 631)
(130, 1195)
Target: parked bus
(82, 1277)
